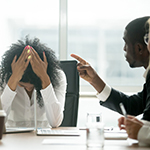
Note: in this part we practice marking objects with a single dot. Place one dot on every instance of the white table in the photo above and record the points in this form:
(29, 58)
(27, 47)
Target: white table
(30, 141)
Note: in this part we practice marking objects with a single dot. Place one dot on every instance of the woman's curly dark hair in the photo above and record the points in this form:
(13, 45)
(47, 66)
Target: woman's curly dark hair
(29, 76)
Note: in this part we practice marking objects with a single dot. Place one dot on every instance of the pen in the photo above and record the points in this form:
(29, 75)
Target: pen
(123, 110)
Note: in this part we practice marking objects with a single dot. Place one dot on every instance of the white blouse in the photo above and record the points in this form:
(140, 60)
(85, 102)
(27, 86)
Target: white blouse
(144, 134)
(20, 108)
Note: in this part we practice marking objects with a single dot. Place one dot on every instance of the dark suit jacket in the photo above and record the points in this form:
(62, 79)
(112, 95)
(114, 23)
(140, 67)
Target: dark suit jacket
(135, 104)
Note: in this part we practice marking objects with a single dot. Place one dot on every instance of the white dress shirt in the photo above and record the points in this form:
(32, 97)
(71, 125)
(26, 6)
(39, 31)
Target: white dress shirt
(20, 108)
(104, 94)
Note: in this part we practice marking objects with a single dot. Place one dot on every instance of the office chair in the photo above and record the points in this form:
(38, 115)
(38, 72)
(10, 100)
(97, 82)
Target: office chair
(72, 95)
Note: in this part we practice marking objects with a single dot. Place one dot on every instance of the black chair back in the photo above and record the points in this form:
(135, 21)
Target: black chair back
(72, 96)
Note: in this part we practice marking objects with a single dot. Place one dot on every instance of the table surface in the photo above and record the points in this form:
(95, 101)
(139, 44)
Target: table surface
(29, 140)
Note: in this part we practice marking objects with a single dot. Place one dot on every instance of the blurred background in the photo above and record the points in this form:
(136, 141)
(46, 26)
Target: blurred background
(93, 29)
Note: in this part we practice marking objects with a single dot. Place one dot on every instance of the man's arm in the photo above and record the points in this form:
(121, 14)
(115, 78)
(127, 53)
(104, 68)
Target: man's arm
(133, 104)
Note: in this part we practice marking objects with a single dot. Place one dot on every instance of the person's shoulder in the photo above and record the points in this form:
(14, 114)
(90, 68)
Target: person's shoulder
(62, 77)
(61, 73)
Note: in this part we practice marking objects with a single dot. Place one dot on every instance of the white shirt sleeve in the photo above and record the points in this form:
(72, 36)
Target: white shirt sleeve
(144, 136)
(104, 94)
(7, 98)
(54, 100)
(145, 122)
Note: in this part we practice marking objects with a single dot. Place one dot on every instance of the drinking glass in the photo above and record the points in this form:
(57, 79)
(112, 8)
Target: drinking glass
(95, 130)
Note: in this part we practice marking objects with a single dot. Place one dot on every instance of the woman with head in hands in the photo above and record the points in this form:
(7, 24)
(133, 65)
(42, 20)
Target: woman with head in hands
(30, 66)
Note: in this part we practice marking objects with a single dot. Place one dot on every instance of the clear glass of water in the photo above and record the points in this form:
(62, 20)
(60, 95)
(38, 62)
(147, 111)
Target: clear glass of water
(95, 130)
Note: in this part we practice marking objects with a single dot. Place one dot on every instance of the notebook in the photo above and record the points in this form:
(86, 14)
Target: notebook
(18, 130)
(115, 134)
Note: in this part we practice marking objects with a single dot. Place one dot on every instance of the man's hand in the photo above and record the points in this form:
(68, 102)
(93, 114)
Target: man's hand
(131, 125)
(121, 123)
(89, 74)
(85, 70)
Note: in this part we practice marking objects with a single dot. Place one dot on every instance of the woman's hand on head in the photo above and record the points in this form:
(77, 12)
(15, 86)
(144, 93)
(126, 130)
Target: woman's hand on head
(18, 67)
(40, 67)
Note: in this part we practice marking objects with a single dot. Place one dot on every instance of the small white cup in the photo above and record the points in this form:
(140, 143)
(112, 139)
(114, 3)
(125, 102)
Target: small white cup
(95, 130)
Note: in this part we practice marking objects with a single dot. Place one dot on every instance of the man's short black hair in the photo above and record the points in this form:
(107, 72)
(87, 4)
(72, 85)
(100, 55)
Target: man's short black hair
(136, 30)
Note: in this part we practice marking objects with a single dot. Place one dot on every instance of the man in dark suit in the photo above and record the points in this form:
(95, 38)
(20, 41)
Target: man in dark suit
(137, 55)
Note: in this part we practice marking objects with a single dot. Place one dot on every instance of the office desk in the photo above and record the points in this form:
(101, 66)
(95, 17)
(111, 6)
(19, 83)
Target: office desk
(30, 141)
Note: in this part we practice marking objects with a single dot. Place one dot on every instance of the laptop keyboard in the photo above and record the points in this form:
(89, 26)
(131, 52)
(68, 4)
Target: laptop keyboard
(49, 131)
(57, 132)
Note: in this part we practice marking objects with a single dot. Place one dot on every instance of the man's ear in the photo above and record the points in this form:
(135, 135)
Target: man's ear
(139, 48)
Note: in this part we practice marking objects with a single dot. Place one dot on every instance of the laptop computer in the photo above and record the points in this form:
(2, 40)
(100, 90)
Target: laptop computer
(51, 131)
